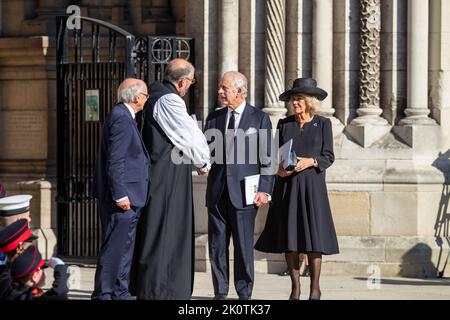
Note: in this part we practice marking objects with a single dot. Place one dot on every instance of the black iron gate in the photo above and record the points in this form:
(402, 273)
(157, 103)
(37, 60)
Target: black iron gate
(91, 63)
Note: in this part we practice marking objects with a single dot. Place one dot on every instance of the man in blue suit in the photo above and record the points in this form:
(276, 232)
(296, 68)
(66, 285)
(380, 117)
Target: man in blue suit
(121, 183)
(228, 212)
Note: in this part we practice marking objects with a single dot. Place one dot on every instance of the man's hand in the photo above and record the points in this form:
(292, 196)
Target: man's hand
(203, 173)
(261, 199)
(125, 205)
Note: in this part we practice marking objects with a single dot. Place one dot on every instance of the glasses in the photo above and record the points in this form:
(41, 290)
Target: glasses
(192, 80)
(146, 95)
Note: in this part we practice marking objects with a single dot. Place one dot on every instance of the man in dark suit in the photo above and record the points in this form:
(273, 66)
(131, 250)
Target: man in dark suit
(243, 128)
(121, 183)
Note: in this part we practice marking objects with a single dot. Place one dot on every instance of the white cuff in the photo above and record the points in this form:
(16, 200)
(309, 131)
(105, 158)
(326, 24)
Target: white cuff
(121, 199)
(205, 168)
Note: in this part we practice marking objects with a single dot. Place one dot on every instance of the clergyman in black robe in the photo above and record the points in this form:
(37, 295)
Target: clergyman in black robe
(163, 264)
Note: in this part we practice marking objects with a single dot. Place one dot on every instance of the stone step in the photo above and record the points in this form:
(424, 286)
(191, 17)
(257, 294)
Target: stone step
(420, 257)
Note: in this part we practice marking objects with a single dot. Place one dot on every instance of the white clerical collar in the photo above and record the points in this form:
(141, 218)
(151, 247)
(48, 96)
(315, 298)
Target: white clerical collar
(133, 114)
(239, 109)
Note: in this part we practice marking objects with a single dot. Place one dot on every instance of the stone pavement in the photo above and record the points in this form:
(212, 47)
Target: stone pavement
(275, 287)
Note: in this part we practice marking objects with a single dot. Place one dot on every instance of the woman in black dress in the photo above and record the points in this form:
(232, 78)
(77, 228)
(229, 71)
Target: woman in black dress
(299, 219)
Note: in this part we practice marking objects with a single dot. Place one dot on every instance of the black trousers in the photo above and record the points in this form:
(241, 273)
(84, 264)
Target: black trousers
(224, 221)
(114, 260)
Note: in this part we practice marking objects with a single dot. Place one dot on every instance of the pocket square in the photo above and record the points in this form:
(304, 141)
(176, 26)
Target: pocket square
(251, 131)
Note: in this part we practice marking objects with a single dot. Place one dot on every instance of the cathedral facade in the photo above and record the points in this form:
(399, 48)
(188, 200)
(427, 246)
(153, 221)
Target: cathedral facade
(384, 63)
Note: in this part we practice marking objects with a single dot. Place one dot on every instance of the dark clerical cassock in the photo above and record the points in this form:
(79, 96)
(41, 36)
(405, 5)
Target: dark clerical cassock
(163, 266)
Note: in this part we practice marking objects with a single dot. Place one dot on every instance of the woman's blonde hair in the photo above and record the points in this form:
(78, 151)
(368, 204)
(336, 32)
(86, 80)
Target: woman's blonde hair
(312, 103)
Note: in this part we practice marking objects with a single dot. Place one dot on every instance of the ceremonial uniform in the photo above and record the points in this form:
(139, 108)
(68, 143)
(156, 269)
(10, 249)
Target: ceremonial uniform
(11, 238)
(26, 264)
(12, 208)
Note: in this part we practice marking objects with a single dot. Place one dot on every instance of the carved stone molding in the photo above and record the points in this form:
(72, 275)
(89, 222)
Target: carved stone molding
(275, 57)
(369, 111)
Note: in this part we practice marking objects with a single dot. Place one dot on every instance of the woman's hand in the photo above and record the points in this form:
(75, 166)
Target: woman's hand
(304, 163)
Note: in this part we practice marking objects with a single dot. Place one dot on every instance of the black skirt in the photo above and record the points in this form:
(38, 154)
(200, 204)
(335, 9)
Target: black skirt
(299, 217)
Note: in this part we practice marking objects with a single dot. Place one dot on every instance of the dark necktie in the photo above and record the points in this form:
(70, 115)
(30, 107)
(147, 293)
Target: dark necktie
(230, 137)
(231, 122)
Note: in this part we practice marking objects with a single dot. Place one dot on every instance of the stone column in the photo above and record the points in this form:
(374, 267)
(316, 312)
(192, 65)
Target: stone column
(393, 59)
(346, 39)
(369, 126)
(369, 111)
(251, 48)
(322, 45)
(201, 24)
(275, 59)
(417, 127)
(228, 46)
(417, 84)
(440, 68)
(322, 57)
(298, 40)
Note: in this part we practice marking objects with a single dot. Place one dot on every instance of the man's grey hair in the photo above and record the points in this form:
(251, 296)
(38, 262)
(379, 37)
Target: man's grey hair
(129, 93)
(176, 71)
(239, 82)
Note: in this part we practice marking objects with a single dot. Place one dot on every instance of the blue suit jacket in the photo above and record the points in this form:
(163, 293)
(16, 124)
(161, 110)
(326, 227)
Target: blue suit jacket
(122, 168)
(234, 174)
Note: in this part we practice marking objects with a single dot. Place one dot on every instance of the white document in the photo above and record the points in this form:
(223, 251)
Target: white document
(251, 188)
(285, 151)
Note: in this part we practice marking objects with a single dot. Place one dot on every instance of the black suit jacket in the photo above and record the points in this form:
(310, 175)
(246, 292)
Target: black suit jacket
(251, 122)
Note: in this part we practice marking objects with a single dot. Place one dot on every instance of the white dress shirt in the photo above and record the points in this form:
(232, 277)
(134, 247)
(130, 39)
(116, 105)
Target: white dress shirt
(237, 116)
(171, 114)
(133, 114)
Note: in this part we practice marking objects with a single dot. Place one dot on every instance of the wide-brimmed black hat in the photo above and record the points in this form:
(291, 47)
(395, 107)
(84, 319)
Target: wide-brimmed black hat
(306, 86)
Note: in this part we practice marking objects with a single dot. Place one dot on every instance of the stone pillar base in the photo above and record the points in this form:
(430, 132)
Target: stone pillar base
(337, 125)
(366, 135)
(423, 138)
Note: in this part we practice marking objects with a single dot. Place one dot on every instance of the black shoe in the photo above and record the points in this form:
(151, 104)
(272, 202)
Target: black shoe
(284, 273)
(318, 298)
(220, 297)
(294, 297)
(245, 298)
